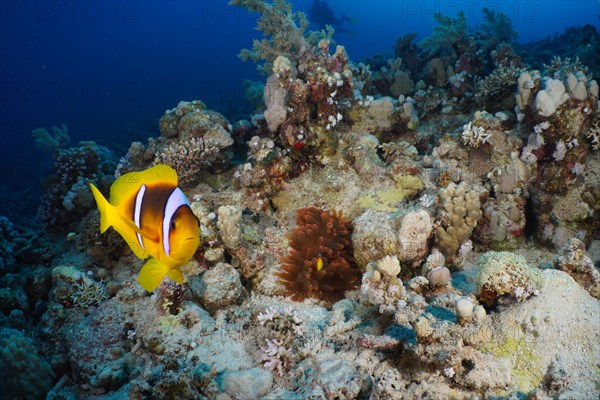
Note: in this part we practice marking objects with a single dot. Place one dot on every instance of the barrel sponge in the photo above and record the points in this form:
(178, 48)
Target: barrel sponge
(320, 263)
(28, 376)
(461, 211)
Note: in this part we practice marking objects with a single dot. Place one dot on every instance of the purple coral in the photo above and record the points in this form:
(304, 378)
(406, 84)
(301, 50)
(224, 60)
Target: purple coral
(276, 357)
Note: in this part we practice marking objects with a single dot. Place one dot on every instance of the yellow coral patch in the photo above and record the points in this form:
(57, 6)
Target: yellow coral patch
(517, 348)
(390, 199)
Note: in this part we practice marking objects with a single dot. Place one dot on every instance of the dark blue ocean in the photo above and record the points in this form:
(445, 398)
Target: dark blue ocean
(109, 69)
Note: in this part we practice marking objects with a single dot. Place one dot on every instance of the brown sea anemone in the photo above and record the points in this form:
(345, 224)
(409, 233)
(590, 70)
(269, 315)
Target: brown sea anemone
(320, 263)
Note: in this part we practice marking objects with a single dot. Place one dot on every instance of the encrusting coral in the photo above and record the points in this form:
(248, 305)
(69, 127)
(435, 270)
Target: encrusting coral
(321, 262)
(504, 278)
(573, 260)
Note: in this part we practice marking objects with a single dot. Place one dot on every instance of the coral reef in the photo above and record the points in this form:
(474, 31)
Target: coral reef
(26, 375)
(438, 205)
(67, 197)
(195, 140)
(573, 260)
(49, 142)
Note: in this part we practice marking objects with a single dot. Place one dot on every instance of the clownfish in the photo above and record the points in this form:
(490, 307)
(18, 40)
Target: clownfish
(152, 214)
(319, 263)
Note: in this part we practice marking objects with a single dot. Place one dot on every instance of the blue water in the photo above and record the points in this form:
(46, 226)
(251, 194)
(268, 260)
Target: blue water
(109, 69)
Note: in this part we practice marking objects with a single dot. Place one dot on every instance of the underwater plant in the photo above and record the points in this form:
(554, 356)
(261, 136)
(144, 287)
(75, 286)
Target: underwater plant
(49, 142)
(320, 263)
(498, 26)
(446, 35)
(284, 32)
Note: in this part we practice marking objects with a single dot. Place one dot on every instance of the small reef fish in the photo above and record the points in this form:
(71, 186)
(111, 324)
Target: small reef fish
(154, 217)
(319, 263)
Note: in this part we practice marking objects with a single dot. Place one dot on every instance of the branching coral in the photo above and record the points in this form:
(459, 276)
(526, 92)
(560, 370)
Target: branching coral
(500, 82)
(276, 357)
(284, 326)
(321, 261)
(593, 134)
(283, 29)
(561, 67)
(474, 136)
(88, 293)
(193, 140)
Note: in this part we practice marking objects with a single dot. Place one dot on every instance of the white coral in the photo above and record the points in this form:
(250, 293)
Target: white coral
(276, 357)
(559, 151)
(268, 315)
(577, 169)
(594, 135)
(474, 136)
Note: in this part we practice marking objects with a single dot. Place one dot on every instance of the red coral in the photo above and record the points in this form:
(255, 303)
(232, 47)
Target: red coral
(325, 235)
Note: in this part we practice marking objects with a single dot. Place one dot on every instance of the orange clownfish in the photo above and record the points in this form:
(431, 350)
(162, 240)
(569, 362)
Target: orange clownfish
(154, 217)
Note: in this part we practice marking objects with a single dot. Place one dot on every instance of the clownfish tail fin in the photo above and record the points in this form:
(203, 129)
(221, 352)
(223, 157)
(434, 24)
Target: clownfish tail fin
(104, 207)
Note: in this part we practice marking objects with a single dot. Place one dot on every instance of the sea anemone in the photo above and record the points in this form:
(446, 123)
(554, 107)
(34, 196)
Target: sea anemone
(321, 261)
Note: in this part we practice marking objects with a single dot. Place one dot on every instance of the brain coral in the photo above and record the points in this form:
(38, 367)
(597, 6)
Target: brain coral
(321, 261)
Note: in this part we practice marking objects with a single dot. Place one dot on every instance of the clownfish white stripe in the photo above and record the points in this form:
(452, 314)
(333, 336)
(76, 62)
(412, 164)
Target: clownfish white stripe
(137, 212)
(176, 200)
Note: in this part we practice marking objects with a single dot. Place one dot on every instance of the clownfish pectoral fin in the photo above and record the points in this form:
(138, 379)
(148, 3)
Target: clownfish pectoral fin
(144, 233)
(152, 274)
(175, 274)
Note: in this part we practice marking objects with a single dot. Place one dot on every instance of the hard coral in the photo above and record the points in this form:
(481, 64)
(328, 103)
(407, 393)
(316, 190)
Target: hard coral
(321, 261)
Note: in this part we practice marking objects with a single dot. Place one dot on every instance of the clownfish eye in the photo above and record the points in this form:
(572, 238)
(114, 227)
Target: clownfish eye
(172, 225)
